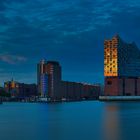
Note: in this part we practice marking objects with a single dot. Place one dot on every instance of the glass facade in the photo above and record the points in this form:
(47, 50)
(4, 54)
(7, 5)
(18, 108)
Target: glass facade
(121, 58)
(44, 85)
(111, 57)
(49, 78)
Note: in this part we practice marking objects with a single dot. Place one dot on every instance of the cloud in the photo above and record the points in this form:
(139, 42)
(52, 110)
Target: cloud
(12, 59)
(70, 31)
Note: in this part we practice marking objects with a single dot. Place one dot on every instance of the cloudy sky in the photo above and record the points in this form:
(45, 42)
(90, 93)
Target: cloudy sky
(70, 31)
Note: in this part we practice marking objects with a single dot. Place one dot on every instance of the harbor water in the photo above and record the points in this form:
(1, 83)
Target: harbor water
(92, 120)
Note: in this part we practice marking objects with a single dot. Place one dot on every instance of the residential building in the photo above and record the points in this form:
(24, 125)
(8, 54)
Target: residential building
(49, 79)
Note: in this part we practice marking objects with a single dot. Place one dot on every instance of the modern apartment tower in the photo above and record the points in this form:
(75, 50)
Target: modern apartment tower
(53, 70)
(121, 67)
(42, 78)
(49, 79)
(51, 85)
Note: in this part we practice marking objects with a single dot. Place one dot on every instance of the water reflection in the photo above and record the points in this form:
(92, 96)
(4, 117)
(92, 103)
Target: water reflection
(54, 122)
(70, 121)
(121, 121)
(74, 121)
(112, 128)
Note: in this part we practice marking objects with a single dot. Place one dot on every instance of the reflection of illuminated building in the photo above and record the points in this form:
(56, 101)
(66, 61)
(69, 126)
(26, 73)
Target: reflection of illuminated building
(112, 123)
(121, 67)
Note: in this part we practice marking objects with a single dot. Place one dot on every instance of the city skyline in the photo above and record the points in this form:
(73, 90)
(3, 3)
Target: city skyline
(54, 31)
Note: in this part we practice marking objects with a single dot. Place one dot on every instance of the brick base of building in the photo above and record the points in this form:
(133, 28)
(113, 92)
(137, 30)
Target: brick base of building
(122, 86)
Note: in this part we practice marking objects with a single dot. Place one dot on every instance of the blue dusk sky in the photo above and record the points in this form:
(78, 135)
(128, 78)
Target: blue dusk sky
(69, 31)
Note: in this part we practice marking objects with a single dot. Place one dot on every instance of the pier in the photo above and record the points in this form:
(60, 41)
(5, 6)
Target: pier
(119, 98)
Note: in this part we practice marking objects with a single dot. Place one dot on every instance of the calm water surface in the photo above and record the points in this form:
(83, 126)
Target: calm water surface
(70, 121)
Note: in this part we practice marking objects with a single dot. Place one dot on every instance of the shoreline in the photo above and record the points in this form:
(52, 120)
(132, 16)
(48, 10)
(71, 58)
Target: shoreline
(119, 98)
(100, 99)
(46, 102)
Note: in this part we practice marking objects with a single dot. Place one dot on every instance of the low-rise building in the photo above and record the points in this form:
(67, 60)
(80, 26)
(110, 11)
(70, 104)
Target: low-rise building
(21, 90)
(122, 86)
(51, 85)
(78, 91)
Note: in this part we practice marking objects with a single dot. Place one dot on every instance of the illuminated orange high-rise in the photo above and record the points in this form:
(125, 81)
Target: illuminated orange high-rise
(111, 57)
(121, 67)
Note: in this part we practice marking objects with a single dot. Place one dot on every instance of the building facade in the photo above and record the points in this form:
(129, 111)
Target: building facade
(11, 87)
(121, 67)
(51, 85)
(122, 86)
(121, 58)
(42, 78)
(54, 78)
(49, 79)
(20, 90)
(44, 85)
(79, 91)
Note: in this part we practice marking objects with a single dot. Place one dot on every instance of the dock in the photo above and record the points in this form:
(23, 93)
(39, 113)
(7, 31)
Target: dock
(119, 98)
